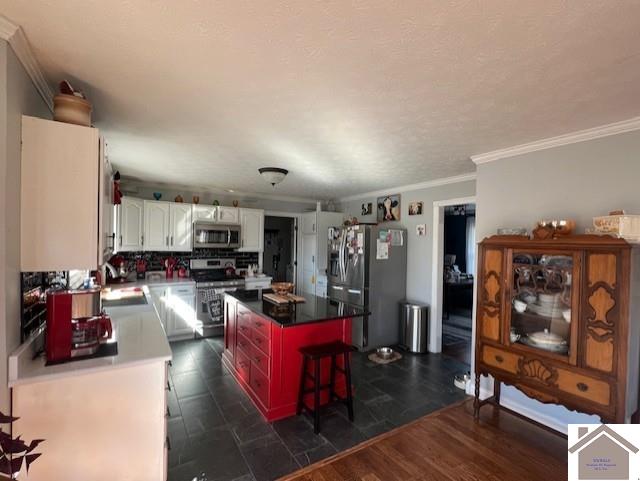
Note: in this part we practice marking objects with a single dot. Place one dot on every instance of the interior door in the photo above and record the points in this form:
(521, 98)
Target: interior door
(181, 238)
(131, 223)
(156, 225)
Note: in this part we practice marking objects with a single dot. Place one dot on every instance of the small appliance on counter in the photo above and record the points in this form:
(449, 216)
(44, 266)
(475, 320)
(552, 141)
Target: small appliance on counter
(141, 268)
(169, 266)
(117, 270)
(76, 326)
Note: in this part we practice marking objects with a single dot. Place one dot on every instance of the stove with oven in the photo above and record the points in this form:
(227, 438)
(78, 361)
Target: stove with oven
(213, 278)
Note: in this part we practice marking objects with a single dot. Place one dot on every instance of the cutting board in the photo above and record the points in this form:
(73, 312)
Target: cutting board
(283, 298)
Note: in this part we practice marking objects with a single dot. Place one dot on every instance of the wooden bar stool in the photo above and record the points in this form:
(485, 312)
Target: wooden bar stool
(316, 354)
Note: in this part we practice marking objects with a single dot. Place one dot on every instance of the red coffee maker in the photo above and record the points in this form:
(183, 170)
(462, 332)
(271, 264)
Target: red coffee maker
(76, 325)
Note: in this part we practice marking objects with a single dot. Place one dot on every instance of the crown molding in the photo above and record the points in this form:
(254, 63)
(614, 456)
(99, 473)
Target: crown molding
(197, 189)
(14, 35)
(621, 127)
(408, 188)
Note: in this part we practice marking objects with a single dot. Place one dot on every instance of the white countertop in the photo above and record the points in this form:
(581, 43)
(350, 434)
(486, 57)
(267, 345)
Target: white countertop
(138, 331)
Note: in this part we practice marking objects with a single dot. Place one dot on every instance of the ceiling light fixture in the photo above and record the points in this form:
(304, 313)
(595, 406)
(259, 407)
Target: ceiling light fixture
(273, 175)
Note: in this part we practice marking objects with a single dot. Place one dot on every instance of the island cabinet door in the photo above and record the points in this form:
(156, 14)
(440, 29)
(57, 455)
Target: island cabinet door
(230, 328)
(602, 305)
(490, 282)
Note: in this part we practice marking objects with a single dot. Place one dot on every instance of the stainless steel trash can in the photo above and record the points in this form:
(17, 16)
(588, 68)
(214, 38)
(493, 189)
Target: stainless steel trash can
(414, 326)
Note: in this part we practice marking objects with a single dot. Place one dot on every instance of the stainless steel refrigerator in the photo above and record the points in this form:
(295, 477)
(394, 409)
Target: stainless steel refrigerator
(367, 266)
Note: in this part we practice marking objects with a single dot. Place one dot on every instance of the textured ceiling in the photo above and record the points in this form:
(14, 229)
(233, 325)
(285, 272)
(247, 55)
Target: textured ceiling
(350, 96)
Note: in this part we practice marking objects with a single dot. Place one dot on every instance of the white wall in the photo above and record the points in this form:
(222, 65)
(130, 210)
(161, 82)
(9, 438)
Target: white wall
(145, 190)
(419, 249)
(577, 181)
(18, 96)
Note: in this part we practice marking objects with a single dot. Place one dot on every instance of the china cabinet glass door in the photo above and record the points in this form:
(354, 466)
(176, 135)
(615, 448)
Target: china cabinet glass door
(541, 301)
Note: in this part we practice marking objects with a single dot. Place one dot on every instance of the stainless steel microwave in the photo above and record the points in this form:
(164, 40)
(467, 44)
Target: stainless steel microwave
(209, 234)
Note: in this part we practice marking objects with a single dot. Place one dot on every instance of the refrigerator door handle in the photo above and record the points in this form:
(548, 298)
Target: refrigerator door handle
(344, 257)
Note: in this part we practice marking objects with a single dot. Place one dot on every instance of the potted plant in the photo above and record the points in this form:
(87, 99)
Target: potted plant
(14, 452)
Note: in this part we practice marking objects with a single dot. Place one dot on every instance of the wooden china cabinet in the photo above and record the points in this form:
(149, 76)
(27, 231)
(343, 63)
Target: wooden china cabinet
(555, 319)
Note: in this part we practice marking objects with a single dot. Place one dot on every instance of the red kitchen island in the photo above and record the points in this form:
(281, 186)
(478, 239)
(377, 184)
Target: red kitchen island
(261, 342)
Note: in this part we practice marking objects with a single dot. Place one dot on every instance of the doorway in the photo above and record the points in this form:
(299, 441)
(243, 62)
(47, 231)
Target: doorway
(454, 255)
(458, 273)
(279, 261)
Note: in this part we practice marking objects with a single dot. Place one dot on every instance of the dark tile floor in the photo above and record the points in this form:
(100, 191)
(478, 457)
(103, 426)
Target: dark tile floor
(217, 434)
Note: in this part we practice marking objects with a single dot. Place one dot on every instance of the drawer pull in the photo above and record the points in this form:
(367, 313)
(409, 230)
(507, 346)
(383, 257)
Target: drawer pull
(582, 387)
(259, 324)
(168, 412)
(499, 358)
(258, 341)
(257, 359)
(168, 386)
(168, 443)
(258, 384)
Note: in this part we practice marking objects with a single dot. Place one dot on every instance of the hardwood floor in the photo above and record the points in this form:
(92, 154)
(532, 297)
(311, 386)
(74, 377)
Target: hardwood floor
(450, 445)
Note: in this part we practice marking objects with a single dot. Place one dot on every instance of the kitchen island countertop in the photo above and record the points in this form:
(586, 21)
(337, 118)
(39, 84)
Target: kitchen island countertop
(314, 309)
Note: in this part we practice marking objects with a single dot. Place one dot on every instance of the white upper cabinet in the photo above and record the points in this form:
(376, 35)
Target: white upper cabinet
(168, 226)
(157, 226)
(251, 230)
(60, 199)
(220, 214)
(130, 222)
(227, 215)
(309, 223)
(205, 213)
(181, 234)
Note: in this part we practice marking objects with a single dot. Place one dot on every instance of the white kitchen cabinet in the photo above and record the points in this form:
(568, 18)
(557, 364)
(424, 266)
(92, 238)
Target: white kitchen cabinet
(251, 230)
(219, 214)
(206, 213)
(157, 227)
(60, 200)
(227, 215)
(158, 299)
(130, 225)
(309, 223)
(180, 311)
(181, 227)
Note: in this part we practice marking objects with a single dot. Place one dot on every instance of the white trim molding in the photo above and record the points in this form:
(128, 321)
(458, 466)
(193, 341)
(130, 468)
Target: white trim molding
(621, 127)
(411, 187)
(14, 35)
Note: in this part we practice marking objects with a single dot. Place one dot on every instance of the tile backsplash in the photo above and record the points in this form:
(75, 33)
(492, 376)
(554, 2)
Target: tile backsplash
(155, 260)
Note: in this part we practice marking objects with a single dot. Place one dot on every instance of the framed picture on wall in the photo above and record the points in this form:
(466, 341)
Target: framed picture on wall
(367, 208)
(421, 230)
(389, 208)
(415, 208)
